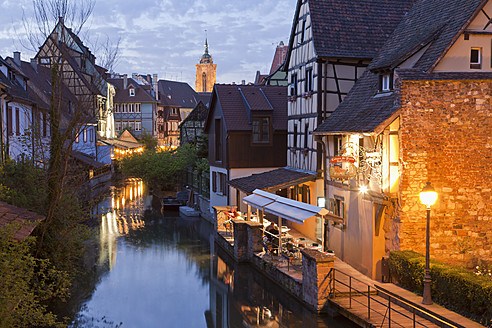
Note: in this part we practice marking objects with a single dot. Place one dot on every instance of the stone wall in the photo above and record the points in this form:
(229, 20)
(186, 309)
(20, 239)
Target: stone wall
(446, 138)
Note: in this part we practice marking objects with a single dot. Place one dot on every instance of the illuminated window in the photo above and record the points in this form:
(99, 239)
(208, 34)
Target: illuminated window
(132, 92)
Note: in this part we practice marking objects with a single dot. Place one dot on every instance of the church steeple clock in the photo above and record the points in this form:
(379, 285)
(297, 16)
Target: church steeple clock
(205, 72)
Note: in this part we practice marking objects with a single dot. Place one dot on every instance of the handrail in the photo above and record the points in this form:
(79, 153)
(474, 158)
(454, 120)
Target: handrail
(391, 299)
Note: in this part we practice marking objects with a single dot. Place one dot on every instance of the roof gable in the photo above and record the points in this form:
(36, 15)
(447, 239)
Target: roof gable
(350, 28)
(436, 23)
(237, 101)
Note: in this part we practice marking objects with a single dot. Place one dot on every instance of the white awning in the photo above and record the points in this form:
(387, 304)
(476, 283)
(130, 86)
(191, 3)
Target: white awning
(285, 208)
(259, 199)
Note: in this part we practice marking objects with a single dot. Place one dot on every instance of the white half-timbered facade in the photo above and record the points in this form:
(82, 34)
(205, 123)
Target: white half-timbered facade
(328, 52)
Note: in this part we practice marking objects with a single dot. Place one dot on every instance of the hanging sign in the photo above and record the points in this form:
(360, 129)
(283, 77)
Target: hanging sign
(342, 167)
(342, 159)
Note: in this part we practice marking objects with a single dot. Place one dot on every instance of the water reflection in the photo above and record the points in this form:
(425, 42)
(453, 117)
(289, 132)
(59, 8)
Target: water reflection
(166, 271)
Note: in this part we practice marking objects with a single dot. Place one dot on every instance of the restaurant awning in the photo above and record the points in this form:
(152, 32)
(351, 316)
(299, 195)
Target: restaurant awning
(285, 208)
(259, 199)
(293, 210)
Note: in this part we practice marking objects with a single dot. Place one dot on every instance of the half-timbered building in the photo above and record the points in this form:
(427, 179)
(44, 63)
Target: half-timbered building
(18, 112)
(246, 127)
(192, 126)
(421, 113)
(75, 67)
(330, 46)
(134, 107)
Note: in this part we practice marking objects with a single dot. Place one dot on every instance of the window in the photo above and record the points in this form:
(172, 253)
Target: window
(337, 145)
(204, 82)
(26, 122)
(45, 61)
(337, 206)
(138, 109)
(295, 136)
(476, 58)
(222, 184)
(77, 136)
(91, 135)
(309, 80)
(9, 121)
(132, 92)
(85, 135)
(45, 125)
(214, 181)
(386, 82)
(306, 134)
(302, 30)
(138, 126)
(17, 121)
(293, 85)
(261, 129)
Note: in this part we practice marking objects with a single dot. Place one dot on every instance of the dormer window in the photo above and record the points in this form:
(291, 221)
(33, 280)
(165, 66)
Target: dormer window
(132, 92)
(476, 58)
(385, 82)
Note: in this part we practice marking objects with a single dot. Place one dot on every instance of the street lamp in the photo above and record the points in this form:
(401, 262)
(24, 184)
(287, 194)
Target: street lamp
(428, 197)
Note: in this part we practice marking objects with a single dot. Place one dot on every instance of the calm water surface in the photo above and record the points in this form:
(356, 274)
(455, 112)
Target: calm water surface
(162, 270)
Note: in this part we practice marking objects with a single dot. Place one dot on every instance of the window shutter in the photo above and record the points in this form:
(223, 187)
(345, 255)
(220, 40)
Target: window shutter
(214, 181)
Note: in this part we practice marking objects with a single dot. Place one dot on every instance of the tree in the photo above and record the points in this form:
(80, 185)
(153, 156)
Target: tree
(149, 141)
(26, 283)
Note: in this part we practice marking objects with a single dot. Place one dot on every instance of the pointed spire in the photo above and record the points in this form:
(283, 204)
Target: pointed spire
(206, 46)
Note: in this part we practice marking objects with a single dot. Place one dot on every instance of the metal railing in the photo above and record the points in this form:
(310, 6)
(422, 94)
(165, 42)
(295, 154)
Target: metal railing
(390, 307)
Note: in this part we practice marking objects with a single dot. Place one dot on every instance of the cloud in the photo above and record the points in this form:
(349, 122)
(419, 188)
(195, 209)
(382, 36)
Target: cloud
(167, 36)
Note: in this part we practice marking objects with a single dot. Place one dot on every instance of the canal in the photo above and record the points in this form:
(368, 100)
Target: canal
(161, 270)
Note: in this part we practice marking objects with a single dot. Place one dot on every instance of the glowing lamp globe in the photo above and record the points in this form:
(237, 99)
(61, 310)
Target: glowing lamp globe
(428, 195)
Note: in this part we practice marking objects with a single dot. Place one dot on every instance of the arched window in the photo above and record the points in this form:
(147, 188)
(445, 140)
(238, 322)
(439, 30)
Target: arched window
(204, 82)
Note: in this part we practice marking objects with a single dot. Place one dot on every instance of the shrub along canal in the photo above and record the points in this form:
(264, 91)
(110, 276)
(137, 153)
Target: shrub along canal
(162, 270)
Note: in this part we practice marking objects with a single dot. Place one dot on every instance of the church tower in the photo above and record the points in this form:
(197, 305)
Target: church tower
(205, 72)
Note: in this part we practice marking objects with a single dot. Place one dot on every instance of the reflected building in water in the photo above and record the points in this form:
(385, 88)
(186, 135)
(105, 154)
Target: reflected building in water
(120, 213)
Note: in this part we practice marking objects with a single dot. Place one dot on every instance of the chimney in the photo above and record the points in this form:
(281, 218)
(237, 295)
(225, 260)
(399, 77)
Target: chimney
(125, 81)
(243, 82)
(17, 59)
(155, 85)
(34, 64)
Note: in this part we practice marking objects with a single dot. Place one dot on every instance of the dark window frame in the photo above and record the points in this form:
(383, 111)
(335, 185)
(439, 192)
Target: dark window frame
(475, 58)
(261, 130)
(308, 83)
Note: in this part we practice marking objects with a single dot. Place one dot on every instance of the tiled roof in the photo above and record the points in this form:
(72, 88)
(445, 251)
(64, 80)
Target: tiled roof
(123, 95)
(435, 21)
(272, 180)
(181, 93)
(199, 113)
(204, 97)
(26, 220)
(235, 108)
(15, 90)
(363, 109)
(432, 23)
(86, 159)
(353, 28)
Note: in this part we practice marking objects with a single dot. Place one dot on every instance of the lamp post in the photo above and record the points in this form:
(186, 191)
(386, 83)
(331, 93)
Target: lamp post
(428, 197)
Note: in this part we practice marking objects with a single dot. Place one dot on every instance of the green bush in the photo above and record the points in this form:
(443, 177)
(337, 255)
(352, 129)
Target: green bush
(452, 287)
